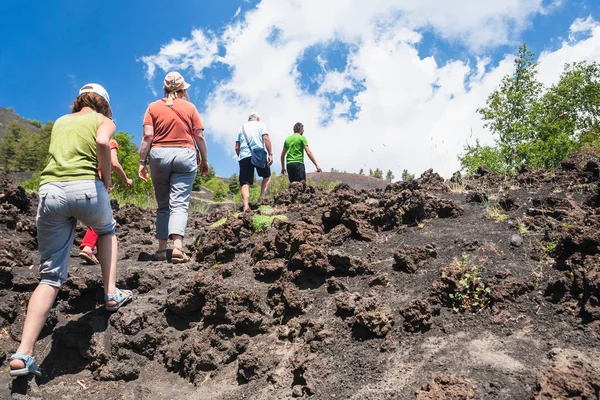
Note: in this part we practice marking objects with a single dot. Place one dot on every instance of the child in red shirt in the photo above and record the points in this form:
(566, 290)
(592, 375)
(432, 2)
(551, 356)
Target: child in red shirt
(89, 240)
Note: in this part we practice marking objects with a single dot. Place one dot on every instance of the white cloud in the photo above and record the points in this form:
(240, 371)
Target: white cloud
(586, 48)
(197, 52)
(389, 106)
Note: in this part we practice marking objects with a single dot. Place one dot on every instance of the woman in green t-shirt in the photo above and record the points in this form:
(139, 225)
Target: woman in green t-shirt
(71, 190)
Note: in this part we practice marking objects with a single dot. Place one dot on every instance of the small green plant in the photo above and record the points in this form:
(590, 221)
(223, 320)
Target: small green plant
(219, 222)
(471, 292)
(494, 211)
(568, 225)
(234, 295)
(521, 226)
(550, 246)
(261, 223)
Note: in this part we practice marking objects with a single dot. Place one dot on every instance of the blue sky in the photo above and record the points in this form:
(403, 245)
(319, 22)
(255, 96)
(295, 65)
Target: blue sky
(402, 81)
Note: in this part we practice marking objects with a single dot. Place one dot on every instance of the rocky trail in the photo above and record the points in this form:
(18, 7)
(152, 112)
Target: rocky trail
(479, 288)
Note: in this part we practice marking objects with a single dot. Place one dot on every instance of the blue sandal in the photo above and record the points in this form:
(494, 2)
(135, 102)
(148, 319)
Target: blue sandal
(121, 297)
(30, 366)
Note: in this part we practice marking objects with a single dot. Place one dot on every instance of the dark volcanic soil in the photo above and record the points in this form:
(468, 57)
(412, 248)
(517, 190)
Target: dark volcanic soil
(474, 289)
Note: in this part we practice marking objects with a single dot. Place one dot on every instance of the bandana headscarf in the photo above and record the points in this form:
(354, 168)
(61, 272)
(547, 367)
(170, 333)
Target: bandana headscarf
(173, 83)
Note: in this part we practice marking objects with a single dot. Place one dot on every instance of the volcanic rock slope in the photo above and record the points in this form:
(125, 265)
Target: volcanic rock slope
(478, 288)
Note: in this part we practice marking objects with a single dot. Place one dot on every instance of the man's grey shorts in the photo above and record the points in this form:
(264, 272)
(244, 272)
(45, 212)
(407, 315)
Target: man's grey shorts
(61, 204)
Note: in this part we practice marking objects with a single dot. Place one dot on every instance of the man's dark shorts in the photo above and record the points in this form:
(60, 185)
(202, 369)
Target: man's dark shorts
(296, 172)
(247, 171)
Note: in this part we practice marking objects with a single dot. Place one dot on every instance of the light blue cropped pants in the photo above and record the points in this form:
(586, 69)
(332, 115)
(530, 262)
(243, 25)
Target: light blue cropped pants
(61, 204)
(173, 171)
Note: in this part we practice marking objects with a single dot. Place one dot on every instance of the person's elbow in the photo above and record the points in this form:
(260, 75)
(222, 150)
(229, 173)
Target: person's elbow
(200, 138)
(102, 140)
(147, 135)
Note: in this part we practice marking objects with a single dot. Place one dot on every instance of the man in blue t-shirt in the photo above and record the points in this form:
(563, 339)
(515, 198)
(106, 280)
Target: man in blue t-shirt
(253, 136)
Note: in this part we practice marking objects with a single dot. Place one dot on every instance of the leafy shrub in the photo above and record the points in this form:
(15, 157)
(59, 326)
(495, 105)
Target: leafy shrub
(471, 292)
(263, 222)
(33, 183)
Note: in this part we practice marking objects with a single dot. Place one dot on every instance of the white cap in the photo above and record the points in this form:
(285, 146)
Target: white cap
(95, 88)
(253, 114)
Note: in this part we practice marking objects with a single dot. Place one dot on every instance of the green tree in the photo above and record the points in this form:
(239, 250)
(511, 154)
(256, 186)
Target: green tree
(278, 183)
(200, 180)
(129, 159)
(508, 111)
(370, 172)
(10, 147)
(407, 176)
(361, 172)
(378, 174)
(43, 145)
(35, 123)
(389, 176)
(234, 184)
(534, 126)
(26, 154)
(220, 193)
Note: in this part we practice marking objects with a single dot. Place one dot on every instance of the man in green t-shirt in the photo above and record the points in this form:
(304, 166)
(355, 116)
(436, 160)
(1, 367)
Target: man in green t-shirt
(295, 146)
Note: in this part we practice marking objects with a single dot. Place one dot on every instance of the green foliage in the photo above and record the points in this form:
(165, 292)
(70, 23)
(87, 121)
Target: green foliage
(11, 109)
(535, 126)
(219, 222)
(140, 200)
(471, 292)
(217, 187)
(141, 192)
(22, 150)
(220, 193)
(278, 183)
(389, 176)
(406, 176)
(487, 156)
(234, 184)
(254, 194)
(550, 246)
(335, 170)
(17, 140)
(33, 183)
(35, 123)
(263, 222)
(376, 174)
(202, 179)
(361, 172)
(324, 184)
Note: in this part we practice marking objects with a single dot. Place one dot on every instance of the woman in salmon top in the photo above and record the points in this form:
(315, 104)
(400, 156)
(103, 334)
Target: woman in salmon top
(173, 135)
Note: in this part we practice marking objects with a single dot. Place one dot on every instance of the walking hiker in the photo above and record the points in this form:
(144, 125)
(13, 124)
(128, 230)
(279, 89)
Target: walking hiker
(71, 190)
(295, 146)
(173, 137)
(90, 238)
(253, 148)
